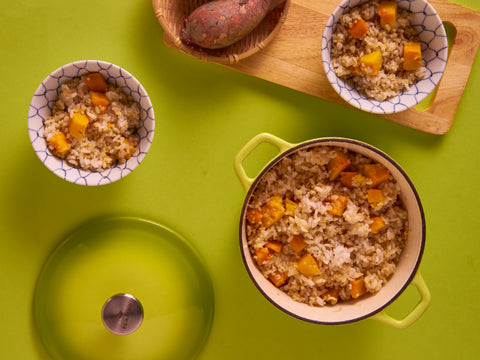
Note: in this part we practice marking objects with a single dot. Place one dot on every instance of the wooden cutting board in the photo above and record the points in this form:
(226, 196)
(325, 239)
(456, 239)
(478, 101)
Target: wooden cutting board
(293, 59)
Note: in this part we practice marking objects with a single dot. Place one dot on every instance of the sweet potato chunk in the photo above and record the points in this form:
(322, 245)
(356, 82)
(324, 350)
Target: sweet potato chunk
(371, 64)
(130, 149)
(336, 165)
(331, 296)
(298, 243)
(269, 214)
(352, 179)
(355, 70)
(357, 288)
(338, 202)
(262, 255)
(100, 100)
(275, 246)
(375, 197)
(308, 266)
(60, 143)
(377, 173)
(376, 225)
(272, 211)
(358, 28)
(346, 178)
(78, 125)
(412, 56)
(278, 278)
(387, 10)
(95, 82)
(290, 207)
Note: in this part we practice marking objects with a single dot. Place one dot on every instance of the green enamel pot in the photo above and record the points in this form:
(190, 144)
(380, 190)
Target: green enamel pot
(406, 274)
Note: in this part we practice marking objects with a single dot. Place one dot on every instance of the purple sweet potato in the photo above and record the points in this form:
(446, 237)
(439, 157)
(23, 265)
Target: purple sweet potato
(220, 23)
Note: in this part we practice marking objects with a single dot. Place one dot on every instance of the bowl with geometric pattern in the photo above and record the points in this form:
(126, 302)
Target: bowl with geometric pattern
(134, 136)
(384, 89)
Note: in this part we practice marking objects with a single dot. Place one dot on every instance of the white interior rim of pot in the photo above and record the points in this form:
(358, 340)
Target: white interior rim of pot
(365, 307)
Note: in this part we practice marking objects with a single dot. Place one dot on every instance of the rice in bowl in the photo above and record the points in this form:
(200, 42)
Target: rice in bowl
(326, 224)
(347, 51)
(93, 125)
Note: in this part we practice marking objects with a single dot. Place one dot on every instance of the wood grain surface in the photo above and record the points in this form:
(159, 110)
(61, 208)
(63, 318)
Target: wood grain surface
(293, 59)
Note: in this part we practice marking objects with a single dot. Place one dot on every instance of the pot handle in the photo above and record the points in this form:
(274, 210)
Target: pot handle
(244, 179)
(419, 309)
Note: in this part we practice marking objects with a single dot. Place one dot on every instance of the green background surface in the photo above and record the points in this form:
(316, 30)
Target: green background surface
(204, 114)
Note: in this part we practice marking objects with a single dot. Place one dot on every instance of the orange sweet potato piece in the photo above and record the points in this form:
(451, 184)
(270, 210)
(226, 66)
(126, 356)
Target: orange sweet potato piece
(355, 70)
(337, 164)
(375, 197)
(352, 179)
(376, 225)
(130, 149)
(220, 23)
(298, 243)
(308, 266)
(377, 173)
(95, 82)
(100, 100)
(290, 207)
(412, 56)
(78, 125)
(338, 202)
(371, 64)
(262, 255)
(387, 10)
(346, 178)
(60, 143)
(358, 28)
(278, 278)
(357, 288)
(331, 296)
(272, 211)
(275, 246)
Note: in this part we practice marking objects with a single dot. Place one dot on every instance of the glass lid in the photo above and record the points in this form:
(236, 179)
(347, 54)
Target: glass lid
(124, 288)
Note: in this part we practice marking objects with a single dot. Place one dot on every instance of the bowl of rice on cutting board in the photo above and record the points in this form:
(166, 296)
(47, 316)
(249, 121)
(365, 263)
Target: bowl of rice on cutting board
(91, 122)
(384, 56)
(332, 231)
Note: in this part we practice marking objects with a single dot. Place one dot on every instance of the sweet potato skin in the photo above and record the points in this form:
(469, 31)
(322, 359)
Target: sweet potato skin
(220, 23)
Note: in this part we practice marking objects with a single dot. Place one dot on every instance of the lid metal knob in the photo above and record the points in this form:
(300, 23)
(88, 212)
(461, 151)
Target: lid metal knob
(122, 314)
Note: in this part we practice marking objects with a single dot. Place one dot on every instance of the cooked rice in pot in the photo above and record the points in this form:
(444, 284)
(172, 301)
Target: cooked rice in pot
(346, 52)
(312, 247)
(111, 135)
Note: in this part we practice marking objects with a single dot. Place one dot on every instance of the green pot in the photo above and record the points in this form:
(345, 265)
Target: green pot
(350, 311)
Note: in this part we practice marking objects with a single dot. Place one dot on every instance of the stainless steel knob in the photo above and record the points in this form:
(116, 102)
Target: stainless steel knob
(122, 314)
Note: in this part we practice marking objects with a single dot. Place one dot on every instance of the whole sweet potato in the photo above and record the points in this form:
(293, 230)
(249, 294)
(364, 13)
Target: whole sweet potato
(220, 23)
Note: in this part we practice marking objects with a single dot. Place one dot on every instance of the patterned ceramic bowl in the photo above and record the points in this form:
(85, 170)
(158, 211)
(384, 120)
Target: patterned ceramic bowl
(41, 107)
(434, 45)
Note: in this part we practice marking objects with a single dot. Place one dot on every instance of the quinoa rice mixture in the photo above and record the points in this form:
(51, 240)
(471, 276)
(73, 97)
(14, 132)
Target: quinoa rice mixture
(375, 45)
(326, 225)
(93, 125)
